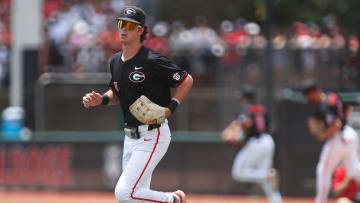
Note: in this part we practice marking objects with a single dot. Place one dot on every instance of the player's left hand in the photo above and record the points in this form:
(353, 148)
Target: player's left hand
(146, 111)
(167, 114)
(233, 133)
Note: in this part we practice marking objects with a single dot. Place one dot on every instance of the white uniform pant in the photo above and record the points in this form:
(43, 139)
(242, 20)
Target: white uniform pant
(342, 147)
(252, 164)
(140, 158)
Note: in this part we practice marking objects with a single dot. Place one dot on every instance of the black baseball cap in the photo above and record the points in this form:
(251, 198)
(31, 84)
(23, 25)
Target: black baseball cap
(310, 85)
(132, 14)
(247, 91)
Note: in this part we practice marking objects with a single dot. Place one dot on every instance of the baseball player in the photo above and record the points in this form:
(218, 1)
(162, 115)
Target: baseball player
(253, 162)
(346, 190)
(328, 124)
(141, 81)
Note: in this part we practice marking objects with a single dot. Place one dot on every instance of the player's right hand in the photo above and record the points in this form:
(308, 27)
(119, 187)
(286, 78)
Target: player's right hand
(334, 127)
(92, 99)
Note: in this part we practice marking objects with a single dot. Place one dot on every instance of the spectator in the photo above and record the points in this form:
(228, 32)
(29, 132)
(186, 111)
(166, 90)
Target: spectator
(4, 66)
(303, 52)
(232, 39)
(51, 7)
(90, 58)
(202, 37)
(5, 43)
(157, 39)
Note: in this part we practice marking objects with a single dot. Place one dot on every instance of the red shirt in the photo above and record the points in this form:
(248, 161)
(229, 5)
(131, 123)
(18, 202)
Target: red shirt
(158, 44)
(339, 176)
(51, 6)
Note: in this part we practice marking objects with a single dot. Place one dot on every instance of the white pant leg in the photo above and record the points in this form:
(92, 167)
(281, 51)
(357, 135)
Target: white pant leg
(273, 196)
(351, 157)
(331, 155)
(253, 161)
(134, 182)
(127, 151)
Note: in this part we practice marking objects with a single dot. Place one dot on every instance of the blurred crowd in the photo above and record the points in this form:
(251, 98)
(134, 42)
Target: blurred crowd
(81, 35)
(4, 42)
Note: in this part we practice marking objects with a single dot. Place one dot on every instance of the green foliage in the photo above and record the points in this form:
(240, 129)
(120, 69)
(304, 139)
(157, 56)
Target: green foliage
(214, 11)
(284, 12)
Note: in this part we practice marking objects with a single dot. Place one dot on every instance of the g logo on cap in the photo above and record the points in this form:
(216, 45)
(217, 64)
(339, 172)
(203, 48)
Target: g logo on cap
(129, 12)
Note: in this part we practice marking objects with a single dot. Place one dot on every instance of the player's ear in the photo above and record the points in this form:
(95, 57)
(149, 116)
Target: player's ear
(140, 30)
(142, 33)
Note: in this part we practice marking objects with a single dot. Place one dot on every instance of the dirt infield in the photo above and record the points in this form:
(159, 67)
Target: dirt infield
(102, 197)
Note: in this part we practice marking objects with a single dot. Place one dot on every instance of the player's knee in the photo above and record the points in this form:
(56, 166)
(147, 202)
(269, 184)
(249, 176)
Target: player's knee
(323, 176)
(236, 174)
(122, 194)
(320, 169)
(270, 143)
(268, 146)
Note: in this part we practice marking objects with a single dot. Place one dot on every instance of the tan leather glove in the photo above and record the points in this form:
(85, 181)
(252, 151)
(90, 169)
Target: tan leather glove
(233, 133)
(144, 110)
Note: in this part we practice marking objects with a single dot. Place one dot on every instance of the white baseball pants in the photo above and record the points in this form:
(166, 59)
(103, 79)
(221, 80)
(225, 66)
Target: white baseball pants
(342, 147)
(140, 157)
(253, 162)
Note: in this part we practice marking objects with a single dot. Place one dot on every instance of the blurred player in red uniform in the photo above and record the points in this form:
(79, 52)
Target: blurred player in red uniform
(329, 124)
(253, 163)
(345, 189)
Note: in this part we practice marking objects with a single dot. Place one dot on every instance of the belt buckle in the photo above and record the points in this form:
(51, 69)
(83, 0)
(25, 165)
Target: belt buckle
(132, 132)
(153, 126)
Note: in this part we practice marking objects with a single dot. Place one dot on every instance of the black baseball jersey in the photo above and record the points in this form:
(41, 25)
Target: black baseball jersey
(330, 109)
(257, 113)
(147, 73)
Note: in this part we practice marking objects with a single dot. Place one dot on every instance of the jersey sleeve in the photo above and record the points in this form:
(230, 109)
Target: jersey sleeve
(323, 114)
(169, 71)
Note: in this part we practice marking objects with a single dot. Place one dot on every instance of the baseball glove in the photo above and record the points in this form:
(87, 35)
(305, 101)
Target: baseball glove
(317, 127)
(144, 110)
(233, 133)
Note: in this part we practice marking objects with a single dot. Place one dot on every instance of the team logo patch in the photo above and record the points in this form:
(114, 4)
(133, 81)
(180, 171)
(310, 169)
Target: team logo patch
(176, 76)
(137, 76)
(129, 12)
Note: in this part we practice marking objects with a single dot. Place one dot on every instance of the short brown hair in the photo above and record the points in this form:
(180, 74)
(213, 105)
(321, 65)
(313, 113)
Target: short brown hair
(143, 35)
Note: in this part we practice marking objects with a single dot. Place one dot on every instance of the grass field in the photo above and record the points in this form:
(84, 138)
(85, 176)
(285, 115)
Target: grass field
(102, 197)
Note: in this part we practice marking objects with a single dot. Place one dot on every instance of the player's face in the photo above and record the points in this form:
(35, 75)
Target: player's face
(314, 96)
(129, 31)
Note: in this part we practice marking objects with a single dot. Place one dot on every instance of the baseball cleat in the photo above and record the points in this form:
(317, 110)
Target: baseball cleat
(179, 196)
(274, 179)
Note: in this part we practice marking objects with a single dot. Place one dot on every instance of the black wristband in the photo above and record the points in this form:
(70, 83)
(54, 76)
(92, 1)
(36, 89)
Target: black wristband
(172, 105)
(105, 99)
